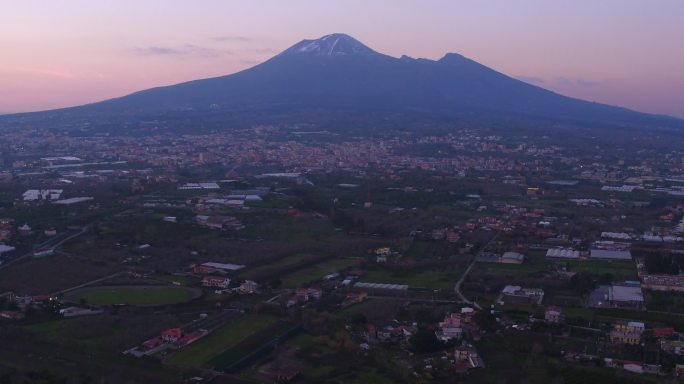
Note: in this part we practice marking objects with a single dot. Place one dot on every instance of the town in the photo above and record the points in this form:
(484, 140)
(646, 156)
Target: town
(277, 254)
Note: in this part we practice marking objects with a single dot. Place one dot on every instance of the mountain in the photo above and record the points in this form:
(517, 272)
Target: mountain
(339, 75)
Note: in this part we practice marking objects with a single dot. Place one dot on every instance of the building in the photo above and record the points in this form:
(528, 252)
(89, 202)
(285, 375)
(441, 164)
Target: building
(663, 332)
(78, 311)
(469, 355)
(172, 335)
(512, 258)
(674, 347)
(626, 296)
(24, 230)
(213, 268)
(248, 287)
(610, 250)
(610, 254)
(450, 328)
(216, 282)
(627, 332)
(562, 253)
(515, 294)
(553, 314)
(306, 294)
(5, 248)
(617, 296)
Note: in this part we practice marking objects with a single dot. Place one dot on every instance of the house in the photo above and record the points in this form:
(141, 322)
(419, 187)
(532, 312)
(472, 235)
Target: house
(24, 230)
(189, 338)
(469, 355)
(152, 343)
(248, 287)
(369, 333)
(216, 282)
(627, 332)
(306, 294)
(356, 297)
(205, 270)
(553, 314)
(450, 328)
(172, 335)
(663, 332)
(467, 314)
(452, 236)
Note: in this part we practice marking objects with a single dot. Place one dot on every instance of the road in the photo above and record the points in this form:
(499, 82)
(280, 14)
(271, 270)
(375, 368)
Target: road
(45, 245)
(457, 287)
(113, 275)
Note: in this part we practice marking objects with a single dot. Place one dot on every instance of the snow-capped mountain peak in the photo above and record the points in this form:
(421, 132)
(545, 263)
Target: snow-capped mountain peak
(336, 44)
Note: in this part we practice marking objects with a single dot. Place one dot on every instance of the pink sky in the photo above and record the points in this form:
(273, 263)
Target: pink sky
(70, 52)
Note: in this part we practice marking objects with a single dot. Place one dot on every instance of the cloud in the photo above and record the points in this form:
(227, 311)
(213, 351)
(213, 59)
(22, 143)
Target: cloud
(243, 39)
(587, 83)
(187, 50)
(531, 79)
(261, 51)
(569, 82)
(249, 62)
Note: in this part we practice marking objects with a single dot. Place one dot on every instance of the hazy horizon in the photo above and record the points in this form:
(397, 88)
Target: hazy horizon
(623, 53)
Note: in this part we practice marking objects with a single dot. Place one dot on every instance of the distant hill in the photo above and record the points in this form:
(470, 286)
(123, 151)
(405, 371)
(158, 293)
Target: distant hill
(339, 75)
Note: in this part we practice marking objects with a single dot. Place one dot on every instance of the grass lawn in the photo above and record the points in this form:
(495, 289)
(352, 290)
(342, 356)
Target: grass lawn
(444, 279)
(275, 267)
(220, 340)
(183, 280)
(141, 295)
(307, 275)
(619, 269)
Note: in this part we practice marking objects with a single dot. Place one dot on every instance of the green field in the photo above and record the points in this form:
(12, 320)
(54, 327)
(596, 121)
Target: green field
(307, 275)
(277, 267)
(435, 279)
(139, 295)
(250, 344)
(220, 340)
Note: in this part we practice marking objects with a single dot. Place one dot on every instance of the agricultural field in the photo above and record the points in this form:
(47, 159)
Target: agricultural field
(307, 275)
(133, 295)
(420, 278)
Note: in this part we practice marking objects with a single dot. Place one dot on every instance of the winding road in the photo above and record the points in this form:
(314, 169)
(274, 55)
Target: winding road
(457, 288)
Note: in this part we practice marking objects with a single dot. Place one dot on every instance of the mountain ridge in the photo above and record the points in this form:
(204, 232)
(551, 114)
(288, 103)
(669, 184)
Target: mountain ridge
(339, 73)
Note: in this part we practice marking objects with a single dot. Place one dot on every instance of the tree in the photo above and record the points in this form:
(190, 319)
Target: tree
(425, 341)
(485, 320)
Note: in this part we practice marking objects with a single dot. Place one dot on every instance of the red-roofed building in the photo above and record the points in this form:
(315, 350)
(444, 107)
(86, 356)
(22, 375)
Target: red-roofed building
(189, 338)
(663, 332)
(152, 343)
(306, 294)
(205, 270)
(216, 281)
(172, 335)
(248, 287)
